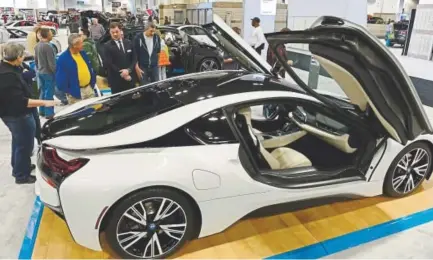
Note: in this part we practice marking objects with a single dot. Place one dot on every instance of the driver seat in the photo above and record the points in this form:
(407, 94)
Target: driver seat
(280, 158)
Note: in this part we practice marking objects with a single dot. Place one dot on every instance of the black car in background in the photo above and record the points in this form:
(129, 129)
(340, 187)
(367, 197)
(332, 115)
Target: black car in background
(103, 19)
(400, 33)
(187, 55)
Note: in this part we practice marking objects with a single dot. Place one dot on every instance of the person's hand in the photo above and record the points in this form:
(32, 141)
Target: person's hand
(52, 103)
(290, 62)
(139, 72)
(124, 73)
(229, 60)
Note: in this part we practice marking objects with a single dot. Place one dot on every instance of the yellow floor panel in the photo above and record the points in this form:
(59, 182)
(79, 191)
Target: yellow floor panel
(257, 237)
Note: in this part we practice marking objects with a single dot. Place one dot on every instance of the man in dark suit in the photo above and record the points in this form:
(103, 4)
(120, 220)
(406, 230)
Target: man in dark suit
(120, 60)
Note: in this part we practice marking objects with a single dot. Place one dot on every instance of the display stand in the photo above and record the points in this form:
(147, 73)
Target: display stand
(421, 42)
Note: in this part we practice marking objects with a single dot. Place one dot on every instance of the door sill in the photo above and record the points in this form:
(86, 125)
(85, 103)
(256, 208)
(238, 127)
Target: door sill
(309, 177)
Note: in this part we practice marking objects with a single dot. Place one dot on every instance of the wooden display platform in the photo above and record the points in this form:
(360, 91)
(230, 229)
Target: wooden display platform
(258, 237)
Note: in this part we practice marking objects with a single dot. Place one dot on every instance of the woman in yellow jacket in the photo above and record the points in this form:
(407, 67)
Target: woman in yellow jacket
(164, 59)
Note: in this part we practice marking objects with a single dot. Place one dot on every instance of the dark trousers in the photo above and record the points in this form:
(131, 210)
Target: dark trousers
(117, 84)
(23, 130)
(260, 48)
(149, 75)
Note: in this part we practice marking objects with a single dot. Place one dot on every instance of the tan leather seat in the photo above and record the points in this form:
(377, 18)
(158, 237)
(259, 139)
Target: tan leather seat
(280, 158)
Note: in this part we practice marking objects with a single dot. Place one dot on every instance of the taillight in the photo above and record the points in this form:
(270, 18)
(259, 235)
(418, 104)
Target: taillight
(57, 168)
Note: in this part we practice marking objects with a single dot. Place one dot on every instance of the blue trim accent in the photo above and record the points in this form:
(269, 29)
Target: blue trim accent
(344, 242)
(28, 244)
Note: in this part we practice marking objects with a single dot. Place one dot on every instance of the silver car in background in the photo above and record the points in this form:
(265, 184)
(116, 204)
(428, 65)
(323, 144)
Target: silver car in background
(20, 36)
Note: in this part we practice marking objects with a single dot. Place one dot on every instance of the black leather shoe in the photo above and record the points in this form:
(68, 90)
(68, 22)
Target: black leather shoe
(29, 180)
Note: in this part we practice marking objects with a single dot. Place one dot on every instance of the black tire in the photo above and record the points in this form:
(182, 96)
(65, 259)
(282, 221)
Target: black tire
(205, 60)
(118, 222)
(401, 177)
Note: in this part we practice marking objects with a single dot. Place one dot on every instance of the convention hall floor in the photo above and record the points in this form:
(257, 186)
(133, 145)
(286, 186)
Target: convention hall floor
(336, 230)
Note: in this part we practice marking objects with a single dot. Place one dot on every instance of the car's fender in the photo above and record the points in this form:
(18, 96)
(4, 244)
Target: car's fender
(393, 148)
(117, 174)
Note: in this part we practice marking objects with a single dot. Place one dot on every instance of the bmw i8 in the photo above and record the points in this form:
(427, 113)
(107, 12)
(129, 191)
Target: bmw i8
(153, 167)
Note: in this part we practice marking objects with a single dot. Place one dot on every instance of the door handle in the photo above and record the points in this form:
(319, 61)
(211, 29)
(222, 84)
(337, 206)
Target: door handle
(234, 161)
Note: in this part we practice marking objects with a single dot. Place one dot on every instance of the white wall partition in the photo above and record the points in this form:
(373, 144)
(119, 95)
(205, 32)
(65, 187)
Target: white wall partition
(252, 8)
(301, 13)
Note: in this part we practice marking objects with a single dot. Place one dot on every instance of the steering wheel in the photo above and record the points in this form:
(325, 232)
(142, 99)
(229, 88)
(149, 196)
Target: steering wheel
(270, 111)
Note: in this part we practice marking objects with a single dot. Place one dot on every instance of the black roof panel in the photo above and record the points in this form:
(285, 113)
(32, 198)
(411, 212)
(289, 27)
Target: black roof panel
(195, 87)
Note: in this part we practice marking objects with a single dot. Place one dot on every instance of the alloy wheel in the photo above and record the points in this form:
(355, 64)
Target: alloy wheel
(208, 65)
(151, 228)
(410, 171)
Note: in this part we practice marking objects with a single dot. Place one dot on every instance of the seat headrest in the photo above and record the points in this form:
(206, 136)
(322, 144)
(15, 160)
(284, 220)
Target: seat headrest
(246, 112)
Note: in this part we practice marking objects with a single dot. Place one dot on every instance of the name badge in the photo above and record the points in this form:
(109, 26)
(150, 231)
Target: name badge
(128, 50)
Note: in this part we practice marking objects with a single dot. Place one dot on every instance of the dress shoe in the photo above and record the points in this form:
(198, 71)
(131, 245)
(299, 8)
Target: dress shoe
(29, 180)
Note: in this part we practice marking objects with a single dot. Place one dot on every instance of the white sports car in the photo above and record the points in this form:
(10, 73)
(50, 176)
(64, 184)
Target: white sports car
(19, 36)
(156, 166)
(28, 26)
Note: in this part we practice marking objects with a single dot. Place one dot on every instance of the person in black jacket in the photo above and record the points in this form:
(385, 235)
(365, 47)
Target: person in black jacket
(119, 61)
(16, 111)
(147, 47)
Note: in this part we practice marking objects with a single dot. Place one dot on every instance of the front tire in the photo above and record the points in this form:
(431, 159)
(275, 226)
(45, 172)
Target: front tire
(152, 223)
(408, 170)
(208, 64)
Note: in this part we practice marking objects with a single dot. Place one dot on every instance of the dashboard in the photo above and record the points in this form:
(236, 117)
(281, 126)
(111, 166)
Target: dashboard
(323, 127)
(320, 121)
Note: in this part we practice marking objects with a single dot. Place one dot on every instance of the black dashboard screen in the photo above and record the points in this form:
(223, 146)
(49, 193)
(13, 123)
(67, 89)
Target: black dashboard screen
(322, 119)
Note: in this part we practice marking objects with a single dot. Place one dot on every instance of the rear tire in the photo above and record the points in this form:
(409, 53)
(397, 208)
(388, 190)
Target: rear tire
(408, 170)
(168, 223)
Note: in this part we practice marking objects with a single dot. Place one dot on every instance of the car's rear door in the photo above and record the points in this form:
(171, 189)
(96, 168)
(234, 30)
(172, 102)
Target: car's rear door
(365, 69)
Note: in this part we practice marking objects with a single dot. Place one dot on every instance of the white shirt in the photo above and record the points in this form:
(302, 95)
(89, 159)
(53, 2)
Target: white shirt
(257, 37)
(149, 44)
(120, 45)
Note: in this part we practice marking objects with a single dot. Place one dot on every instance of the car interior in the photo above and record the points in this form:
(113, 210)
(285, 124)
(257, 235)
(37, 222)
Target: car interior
(300, 136)
(294, 151)
(303, 141)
